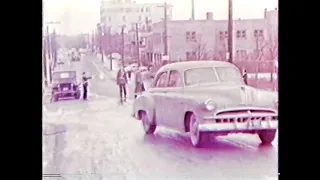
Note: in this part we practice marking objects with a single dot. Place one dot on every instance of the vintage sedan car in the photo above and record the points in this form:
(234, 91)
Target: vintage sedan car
(65, 85)
(205, 99)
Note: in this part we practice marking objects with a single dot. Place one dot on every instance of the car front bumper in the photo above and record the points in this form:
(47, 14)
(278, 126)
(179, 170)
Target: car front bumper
(239, 126)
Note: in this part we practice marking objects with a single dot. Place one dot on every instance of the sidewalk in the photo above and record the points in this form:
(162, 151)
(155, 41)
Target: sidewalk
(106, 64)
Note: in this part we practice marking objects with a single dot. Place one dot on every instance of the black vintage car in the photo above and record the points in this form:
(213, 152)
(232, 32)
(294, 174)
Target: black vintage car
(65, 85)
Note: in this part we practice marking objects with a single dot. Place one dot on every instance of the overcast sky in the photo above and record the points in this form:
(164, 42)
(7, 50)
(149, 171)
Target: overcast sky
(84, 14)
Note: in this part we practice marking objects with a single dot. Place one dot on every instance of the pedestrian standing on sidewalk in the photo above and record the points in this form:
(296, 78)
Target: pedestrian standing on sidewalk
(85, 79)
(139, 87)
(122, 81)
(245, 76)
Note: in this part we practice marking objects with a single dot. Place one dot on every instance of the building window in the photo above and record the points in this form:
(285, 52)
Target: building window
(223, 34)
(191, 55)
(241, 34)
(124, 18)
(191, 36)
(140, 18)
(241, 54)
(147, 9)
(109, 18)
(128, 10)
(258, 33)
(142, 10)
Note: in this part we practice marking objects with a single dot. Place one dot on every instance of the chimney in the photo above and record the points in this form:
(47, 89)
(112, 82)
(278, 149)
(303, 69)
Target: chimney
(209, 16)
(265, 13)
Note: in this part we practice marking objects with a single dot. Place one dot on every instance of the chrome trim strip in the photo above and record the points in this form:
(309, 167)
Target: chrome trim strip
(238, 126)
(244, 109)
(242, 115)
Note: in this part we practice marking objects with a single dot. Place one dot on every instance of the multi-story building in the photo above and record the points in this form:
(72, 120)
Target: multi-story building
(116, 13)
(207, 39)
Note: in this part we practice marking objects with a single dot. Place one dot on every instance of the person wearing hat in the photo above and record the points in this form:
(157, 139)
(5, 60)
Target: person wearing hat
(85, 79)
(139, 86)
(245, 76)
(122, 80)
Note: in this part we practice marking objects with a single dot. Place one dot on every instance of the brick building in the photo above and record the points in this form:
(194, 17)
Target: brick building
(254, 39)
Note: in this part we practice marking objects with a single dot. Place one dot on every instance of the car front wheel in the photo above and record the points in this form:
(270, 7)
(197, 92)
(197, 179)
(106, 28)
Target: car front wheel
(148, 126)
(267, 136)
(198, 138)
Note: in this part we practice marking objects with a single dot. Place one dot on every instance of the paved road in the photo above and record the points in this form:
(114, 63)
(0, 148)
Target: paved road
(97, 139)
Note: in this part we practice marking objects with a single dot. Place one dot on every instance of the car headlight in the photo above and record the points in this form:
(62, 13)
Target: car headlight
(210, 105)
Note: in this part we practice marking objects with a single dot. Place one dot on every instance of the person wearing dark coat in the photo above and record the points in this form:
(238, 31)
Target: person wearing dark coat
(139, 86)
(245, 76)
(122, 80)
(85, 85)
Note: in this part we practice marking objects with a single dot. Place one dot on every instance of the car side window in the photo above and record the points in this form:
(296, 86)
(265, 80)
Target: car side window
(174, 79)
(161, 82)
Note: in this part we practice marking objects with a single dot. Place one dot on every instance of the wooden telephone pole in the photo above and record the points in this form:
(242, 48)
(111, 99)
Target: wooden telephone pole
(100, 41)
(165, 22)
(230, 31)
(192, 10)
(138, 44)
(122, 45)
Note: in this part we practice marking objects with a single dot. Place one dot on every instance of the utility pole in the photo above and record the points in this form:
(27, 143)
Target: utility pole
(48, 42)
(48, 52)
(110, 49)
(44, 61)
(230, 31)
(54, 47)
(138, 44)
(165, 22)
(92, 41)
(122, 45)
(100, 41)
(192, 10)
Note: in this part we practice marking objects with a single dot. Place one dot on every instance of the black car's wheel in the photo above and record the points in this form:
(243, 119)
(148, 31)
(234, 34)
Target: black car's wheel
(148, 125)
(267, 136)
(197, 138)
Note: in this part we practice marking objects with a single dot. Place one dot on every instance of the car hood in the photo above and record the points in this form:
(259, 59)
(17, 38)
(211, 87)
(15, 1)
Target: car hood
(226, 96)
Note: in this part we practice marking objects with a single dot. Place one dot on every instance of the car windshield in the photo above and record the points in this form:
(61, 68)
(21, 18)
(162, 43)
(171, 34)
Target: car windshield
(228, 74)
(64, 75)
(207, 75)
(200, 76)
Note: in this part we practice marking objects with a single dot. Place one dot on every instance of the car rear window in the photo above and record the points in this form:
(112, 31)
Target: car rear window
(229, 74)
(200, 76)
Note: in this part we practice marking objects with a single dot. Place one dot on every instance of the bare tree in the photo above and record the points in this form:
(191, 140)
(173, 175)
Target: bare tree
(267, 49)
(200, 49)
(221, 48)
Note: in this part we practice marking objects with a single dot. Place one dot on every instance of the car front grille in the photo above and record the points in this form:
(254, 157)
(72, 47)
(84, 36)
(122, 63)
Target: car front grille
(245, 115)
(66, 85)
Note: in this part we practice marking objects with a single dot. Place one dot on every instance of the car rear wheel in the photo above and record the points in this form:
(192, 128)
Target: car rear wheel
(198, 138)
(148, 126)
(267, 136)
